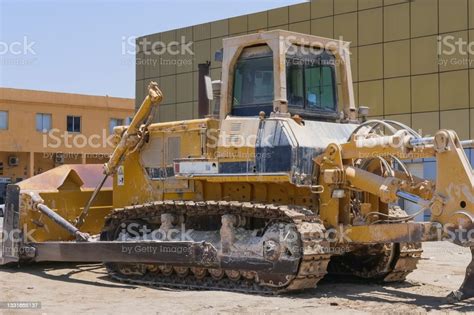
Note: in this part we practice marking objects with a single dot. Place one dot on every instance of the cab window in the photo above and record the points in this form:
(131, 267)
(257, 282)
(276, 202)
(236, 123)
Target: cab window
(253, 79)
(319, 89)
(311, 82)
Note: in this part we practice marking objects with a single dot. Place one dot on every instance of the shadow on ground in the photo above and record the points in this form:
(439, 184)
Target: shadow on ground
(356, 290)
(347, 289)
(42, 270)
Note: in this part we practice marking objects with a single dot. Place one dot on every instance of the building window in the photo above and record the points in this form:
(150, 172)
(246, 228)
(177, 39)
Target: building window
(114, 122)
(3, 120)
(43, 122)
(73, 123)
(128, 120)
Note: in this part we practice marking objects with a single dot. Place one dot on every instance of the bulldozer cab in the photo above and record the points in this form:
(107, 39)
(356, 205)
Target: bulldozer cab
(285, 73)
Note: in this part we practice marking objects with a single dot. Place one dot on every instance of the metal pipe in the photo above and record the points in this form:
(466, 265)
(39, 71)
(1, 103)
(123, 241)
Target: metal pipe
(466, 144)
(413, 198)
(82, 217)
(384, 187)
(421, 141)
(430, 140)
(203, 101)
(59, 220)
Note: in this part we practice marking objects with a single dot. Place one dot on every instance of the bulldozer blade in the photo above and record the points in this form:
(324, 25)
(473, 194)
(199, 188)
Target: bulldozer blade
(9, 240)
(467, 288)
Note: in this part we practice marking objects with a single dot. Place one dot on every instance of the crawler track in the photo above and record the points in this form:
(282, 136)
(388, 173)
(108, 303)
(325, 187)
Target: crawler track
(382, 262)
(312, 265)
(408, 256)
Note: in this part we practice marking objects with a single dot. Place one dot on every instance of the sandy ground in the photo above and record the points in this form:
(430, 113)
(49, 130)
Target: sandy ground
(70, 288)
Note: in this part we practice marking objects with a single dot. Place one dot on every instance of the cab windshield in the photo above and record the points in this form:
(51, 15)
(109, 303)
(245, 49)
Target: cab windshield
(311, 84)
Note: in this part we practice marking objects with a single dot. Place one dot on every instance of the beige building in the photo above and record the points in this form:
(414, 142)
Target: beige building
(40, 130)
(398, 69)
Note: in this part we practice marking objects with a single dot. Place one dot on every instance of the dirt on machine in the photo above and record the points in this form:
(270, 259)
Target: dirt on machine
(283, 182)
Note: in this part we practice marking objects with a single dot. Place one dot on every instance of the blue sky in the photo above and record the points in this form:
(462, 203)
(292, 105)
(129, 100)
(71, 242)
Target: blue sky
(76, 46)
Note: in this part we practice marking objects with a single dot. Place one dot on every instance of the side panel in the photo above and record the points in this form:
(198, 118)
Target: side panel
(236, 145)
(263, 192)
(148, 174)
(274, 150)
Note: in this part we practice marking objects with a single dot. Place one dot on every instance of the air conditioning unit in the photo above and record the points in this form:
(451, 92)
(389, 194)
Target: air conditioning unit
(13, 160)
(59, 158)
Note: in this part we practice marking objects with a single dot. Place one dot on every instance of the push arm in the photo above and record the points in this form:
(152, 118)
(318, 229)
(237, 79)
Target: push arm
(451, 202)
(130, 137)
(129, 141)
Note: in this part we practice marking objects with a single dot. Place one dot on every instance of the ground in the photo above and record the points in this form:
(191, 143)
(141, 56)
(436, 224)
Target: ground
(78, 288)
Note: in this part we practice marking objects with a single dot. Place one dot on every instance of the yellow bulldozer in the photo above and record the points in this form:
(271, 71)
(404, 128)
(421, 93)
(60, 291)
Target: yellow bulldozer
(284, 182)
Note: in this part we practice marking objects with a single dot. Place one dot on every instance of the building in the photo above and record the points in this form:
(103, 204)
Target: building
(40, 130)
(397, 71)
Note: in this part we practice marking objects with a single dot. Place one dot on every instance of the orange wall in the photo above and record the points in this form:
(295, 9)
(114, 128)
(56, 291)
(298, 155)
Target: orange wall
(22, 107)
(21, 137)
(14, 172)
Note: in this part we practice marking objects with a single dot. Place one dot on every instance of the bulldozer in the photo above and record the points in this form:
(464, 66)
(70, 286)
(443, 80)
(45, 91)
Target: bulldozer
(285, 182)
